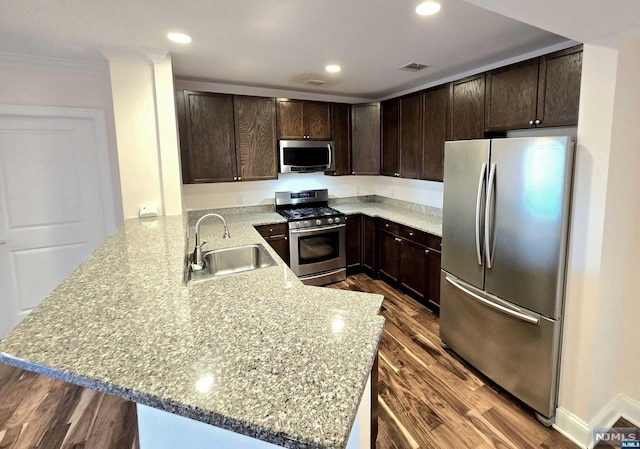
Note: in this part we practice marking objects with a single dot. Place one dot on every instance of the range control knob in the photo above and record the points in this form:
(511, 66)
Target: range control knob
(318, 222)
(330, 220)
(306, 223)
(338, 220)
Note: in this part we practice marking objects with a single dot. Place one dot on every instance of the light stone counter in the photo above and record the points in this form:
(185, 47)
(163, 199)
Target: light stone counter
(281, 362)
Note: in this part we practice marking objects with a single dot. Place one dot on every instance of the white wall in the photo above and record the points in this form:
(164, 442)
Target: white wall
(35, 83)
(228, 194)
(145, 120)
(621, 261)
(589, 197)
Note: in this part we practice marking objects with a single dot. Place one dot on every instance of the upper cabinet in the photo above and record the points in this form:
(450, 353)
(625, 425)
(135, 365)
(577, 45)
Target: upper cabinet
(226, 137)
(341, 136)
(390, 137)
(255, 129)
(436, 129)
(559, 88)
(411, 136)
(207, 146)
(365, 148)
(299, 119)
(539, 92)
(467, 108)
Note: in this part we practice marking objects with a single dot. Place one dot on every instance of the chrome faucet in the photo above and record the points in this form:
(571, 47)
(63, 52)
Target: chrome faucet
(198, 261)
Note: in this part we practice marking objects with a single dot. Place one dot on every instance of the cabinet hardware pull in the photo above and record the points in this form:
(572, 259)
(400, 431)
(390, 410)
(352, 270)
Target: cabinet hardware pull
(386, 225)
(239, 178)
(411, 234)
(531, 122)
(426, 251)
(537, 122)
(235, 178)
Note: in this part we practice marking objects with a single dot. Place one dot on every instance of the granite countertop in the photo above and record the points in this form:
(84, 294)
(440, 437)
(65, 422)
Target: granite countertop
(427, 221)
(257, 353)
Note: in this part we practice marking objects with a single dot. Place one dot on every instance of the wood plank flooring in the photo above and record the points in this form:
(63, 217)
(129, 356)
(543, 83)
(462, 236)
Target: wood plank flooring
(38, 412)
(430, 399)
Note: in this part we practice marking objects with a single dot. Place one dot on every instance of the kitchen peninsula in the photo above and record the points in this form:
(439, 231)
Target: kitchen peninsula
(257, 354)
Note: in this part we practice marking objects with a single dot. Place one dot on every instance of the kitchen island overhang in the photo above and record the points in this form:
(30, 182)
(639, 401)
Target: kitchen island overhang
(125, 324)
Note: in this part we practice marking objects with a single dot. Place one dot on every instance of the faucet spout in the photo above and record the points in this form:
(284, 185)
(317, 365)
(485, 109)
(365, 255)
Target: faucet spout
(198, 261)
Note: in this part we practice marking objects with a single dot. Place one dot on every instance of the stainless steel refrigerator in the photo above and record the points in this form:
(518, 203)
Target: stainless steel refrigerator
(504, 245)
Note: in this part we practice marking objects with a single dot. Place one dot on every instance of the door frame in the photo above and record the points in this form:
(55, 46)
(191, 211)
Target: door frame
(102, 149)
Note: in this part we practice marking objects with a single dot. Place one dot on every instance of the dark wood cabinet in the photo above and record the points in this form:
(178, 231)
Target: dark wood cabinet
(467, 108)
(433, 277)
(559, 88)
(540, 92)
(365, 146)
(511, 96)
(390, 137)
(226, 137)
(208, 146)
(277, 236)
(369, 244)
(255, 136)
(410, 147)
(298, 119)
(436, 130)
(353, 239)
(410, 259)
(341, 136)
(388, 255)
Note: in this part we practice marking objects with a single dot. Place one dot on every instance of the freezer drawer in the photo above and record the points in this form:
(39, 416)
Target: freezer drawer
(504, 343)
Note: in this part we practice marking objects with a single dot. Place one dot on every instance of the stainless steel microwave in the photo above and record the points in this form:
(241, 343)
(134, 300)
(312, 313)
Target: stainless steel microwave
(305, 156)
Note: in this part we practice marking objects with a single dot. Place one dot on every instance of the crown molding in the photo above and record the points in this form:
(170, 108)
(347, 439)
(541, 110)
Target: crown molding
(53, 63)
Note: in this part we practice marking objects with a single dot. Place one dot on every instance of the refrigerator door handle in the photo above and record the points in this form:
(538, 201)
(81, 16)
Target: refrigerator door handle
(487, 215)
(483, 172)
(493, 305)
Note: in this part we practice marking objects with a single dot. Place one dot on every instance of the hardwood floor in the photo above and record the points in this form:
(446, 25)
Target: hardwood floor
(427, 397)
(430, 399)
(43, 413)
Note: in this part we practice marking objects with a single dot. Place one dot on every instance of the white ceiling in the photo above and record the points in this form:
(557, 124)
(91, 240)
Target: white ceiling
(282, 43)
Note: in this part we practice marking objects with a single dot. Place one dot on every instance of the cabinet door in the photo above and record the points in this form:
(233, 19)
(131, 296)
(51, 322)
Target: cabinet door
(389, 262)
(369, 243)
(467, 108)
(354, 240)
(290, 119)
(436, 125)
(390, 136)
(255, 127)
(559, 88)
(280, 244)
(414, 274)
(210, 137)
(411, 136)
(341, 136)
(317, 120)
(512, 96)
(365, 149)
(433, 277)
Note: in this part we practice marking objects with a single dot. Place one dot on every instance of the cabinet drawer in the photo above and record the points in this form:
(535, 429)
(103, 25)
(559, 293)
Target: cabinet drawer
(270, 230)
(420, 237)
(389, 226)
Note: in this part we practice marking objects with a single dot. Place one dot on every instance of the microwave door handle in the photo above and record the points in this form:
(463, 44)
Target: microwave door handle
(330, 158)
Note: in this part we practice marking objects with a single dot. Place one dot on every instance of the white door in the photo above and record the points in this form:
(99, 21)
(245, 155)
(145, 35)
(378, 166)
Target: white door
(53, 208)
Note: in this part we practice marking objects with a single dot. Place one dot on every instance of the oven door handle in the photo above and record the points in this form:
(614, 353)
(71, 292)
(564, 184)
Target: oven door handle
(316, 230)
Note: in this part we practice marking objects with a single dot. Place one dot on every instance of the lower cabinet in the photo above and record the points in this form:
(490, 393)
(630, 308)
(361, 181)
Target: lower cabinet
(354, 242)
(369, 244)
(410, 259)
(277, 236)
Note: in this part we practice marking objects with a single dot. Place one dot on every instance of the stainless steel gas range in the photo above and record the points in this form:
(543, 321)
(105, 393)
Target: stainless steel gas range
(316, 236)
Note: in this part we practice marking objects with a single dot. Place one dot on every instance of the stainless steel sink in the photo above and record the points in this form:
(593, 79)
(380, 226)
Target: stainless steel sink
(223, 262)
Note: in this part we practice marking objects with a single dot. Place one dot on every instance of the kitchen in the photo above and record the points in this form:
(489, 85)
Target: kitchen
(600, 263)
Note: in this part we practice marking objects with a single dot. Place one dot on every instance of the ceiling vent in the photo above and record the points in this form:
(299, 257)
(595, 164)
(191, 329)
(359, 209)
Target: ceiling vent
(311, 82)
(413, 67)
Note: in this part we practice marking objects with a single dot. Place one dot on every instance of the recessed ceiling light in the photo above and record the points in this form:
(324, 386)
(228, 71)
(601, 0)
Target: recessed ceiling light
(332, 68)
(179, 38)
(428, 8)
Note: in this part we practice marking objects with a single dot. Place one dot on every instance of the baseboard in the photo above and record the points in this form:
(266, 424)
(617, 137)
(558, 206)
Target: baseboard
(581, 432)
(630, 409)
(572, 427)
